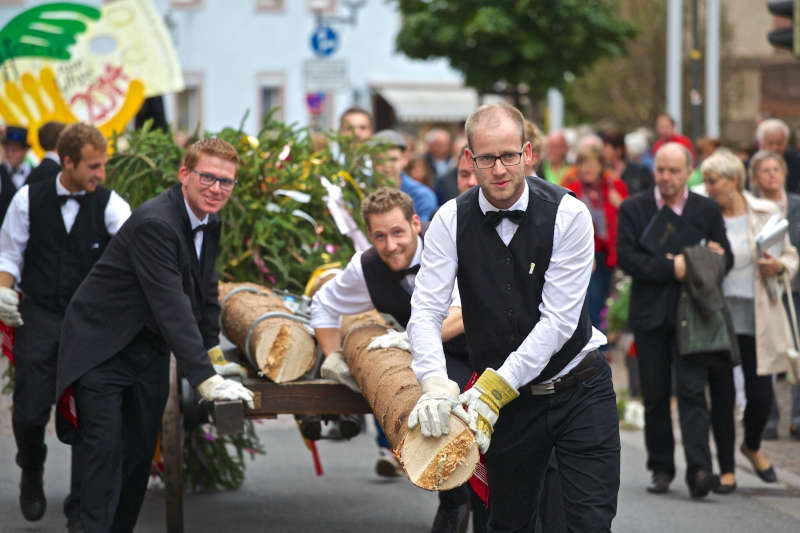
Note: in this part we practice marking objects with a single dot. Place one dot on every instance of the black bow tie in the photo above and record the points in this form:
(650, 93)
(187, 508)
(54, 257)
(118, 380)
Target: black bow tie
(201, 227)
(400, 274)
(493, 218)
(80, 198)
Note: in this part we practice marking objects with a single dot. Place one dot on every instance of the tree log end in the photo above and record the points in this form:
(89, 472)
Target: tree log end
(284, 352)
(440, 463)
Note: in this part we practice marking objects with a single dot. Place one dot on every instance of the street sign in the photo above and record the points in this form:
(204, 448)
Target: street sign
(324, 41)
(325, 75)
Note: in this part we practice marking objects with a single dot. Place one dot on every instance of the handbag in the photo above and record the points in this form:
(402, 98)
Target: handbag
(710, 340)
(793, 353)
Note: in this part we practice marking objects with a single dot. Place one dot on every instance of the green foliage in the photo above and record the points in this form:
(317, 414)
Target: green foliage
(276, 227)
(215, 462)
(617, 314)
(530, 42)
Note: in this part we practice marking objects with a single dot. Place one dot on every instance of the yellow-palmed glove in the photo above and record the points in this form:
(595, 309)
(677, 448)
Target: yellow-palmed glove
(480, 406)
(223, 366)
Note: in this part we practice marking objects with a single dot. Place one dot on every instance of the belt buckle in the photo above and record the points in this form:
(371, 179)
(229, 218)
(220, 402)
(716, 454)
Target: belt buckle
(543, 389)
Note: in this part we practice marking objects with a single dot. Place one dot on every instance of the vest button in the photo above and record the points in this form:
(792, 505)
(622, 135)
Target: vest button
(509, 312)
(508, 287)
(508, 260)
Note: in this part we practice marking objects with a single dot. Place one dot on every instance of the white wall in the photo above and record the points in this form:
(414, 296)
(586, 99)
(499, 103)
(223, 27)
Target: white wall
(230, 42)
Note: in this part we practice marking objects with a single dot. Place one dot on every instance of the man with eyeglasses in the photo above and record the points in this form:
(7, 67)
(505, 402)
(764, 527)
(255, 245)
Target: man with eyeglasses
(54, 231)
(522, 251)
(154, 291)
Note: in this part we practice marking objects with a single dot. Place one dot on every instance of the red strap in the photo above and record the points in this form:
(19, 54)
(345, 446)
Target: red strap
(479, 480)
(66, 406)
(7, 333)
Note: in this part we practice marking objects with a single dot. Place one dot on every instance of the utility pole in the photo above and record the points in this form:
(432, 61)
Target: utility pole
(695, 96)
(712, 68)
(674, 78)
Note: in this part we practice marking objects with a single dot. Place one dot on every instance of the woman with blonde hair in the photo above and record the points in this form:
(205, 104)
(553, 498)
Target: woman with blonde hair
(768, 180)
(759, 318)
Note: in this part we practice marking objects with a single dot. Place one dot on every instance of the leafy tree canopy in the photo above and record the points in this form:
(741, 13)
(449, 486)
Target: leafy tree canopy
(531, 42)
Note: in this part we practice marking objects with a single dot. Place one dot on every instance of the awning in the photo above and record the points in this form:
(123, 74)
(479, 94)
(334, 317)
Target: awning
(430, 104)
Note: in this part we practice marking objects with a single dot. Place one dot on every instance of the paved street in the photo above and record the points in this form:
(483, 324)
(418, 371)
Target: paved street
(282, 494)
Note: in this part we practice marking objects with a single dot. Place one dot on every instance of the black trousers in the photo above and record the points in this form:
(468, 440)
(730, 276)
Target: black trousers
(759, 393)
(657, 350)
(723, 398)
(581, 424)
(119, 406)
(36, 359)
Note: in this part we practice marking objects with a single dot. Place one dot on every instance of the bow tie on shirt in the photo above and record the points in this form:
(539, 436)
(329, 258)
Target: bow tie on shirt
(493, 218)
(201, 227)
(400, 274)
(80, 198)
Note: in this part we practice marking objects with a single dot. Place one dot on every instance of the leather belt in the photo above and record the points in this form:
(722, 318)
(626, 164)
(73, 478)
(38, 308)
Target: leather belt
(585, 369)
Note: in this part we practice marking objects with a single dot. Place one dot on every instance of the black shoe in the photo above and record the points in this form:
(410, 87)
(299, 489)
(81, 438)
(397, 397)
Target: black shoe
(32, 502)
(311, 427)
(349, 426)
(770, 433)
(701, 483)
(767, 475)
(725, 489)
(659, 483)
(450, 519)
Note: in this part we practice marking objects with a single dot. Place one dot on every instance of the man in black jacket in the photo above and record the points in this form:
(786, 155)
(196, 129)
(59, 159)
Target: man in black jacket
(14, 170)
(50, 165)
(154, 291)
(53, 233)
(653, 309)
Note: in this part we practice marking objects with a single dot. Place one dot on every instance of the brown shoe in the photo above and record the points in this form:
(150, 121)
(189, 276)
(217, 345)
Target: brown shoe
(659, 483)
(701, 483)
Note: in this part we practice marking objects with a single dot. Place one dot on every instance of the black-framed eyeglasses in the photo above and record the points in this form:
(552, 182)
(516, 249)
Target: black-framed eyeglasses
(207, 180)
(509, 159)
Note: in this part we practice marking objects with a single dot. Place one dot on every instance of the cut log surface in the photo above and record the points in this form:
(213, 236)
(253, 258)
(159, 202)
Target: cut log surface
(281, 349)
(391, 389)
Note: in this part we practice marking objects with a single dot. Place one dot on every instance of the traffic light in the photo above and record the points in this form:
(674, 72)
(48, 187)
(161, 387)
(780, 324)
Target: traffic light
(786, 37)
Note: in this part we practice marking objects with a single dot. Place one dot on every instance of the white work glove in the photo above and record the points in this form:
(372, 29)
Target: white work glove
(480, 406)
(223, 366)
(9, 307)
(432, 411)
(391, 339)
(335, 367)
(218, 388)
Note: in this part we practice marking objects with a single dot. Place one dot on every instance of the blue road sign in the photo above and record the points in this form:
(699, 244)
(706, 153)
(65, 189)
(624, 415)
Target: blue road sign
(324, 41)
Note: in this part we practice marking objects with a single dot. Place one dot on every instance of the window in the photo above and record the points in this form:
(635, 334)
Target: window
(270, 87)
(269, 5)
(189, 103)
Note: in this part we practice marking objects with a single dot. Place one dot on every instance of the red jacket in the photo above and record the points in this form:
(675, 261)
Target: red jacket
(608, 180)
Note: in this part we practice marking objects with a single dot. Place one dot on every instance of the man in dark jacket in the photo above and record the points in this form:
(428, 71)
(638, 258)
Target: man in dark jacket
(154, 291)
(14, 170)
(50, 165)
(653, 309)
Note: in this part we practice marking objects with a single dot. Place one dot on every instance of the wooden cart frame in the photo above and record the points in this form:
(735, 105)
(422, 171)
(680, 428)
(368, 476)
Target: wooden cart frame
(314, 397)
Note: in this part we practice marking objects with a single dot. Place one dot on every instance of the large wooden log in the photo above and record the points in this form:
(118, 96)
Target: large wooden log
(391, 389)
(280, 348)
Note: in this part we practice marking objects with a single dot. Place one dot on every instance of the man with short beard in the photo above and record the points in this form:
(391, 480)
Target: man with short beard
(382, 278)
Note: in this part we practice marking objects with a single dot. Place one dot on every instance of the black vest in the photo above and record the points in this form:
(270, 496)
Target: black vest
(501, 286)
(389, 296)
(7, 191)
(57, 262)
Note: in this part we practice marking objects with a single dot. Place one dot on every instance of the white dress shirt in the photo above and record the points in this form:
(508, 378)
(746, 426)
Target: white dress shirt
(15, 231)
(565, 284)
(347, 293)
(194, 221)
(18, 175)
(52, 156)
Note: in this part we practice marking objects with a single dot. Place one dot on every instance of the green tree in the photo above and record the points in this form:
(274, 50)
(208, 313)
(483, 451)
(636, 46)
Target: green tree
(513, 46)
